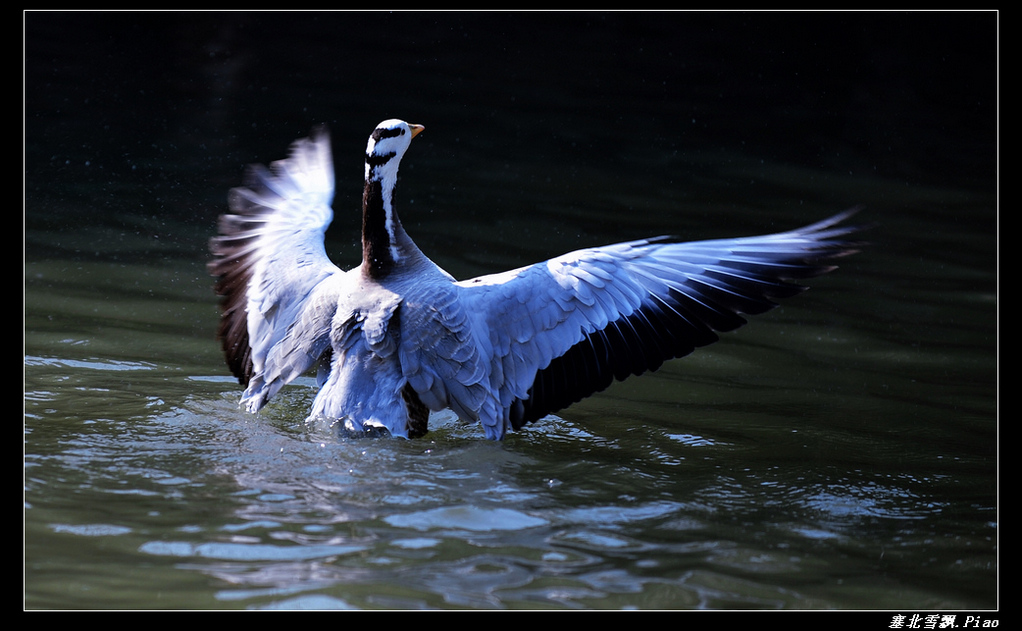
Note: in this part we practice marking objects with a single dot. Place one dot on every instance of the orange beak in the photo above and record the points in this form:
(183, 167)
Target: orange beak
(416, 129)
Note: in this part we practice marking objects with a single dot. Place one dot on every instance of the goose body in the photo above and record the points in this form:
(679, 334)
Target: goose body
(397, 336)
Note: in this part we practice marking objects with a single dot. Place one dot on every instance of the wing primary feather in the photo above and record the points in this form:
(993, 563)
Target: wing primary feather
(687, 294)
(268, 256)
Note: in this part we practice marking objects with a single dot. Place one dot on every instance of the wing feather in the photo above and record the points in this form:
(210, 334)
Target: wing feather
(274, 275)
(564, 329)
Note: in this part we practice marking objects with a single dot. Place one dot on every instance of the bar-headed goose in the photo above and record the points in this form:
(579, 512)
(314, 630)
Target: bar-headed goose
(397, 336)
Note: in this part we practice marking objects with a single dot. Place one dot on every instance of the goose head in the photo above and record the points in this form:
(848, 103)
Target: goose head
(387, 145)
(384, 242)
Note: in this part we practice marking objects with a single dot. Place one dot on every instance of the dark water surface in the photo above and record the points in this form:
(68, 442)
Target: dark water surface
(840, 452)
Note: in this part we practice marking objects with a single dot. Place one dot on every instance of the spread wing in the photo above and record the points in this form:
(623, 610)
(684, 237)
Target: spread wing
(564, 329)
(279, 288)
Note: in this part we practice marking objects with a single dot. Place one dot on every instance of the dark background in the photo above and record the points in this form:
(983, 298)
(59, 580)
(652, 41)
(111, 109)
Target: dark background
(177, 101)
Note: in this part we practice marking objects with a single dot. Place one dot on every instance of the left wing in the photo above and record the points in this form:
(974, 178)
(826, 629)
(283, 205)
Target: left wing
(564, 329)
(274, 273)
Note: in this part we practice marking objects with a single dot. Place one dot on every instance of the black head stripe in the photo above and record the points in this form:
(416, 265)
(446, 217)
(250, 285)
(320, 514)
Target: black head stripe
(374, 160)
(387, 132)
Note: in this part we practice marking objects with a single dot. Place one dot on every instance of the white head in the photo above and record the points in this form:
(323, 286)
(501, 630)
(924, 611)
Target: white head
(387, 144)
